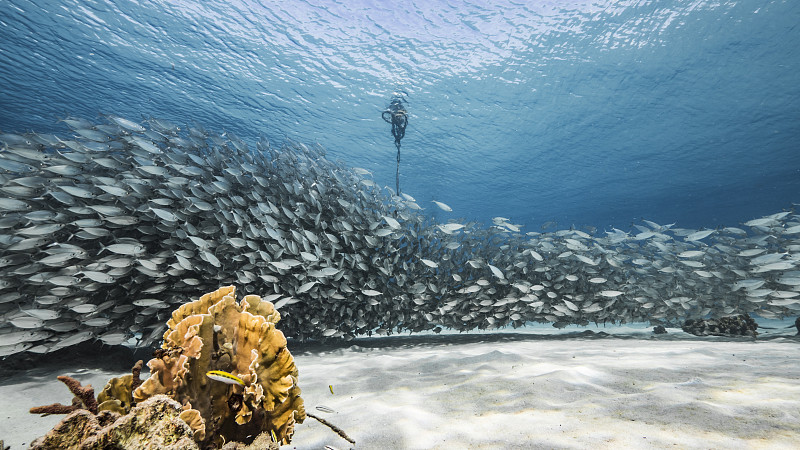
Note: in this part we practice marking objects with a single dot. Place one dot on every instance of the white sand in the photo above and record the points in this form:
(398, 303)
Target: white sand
(533, 390)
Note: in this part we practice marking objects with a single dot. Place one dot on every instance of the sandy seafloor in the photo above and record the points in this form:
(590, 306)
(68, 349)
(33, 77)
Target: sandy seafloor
(535, 387)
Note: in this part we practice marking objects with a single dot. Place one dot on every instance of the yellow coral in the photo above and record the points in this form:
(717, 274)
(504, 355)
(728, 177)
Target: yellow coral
(167, 375)
(257, 307)
(217, 333)
(185, 335)
(200, 306)
(116, 396)
(196, 423)
(286, 414)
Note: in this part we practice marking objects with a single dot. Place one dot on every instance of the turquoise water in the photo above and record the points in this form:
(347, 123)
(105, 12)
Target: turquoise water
(588, 113)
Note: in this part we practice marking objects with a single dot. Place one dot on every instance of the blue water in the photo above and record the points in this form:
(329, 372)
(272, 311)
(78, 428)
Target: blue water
(592, 113)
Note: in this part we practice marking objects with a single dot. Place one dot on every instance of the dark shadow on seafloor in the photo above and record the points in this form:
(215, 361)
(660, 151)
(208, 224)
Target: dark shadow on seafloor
(87, 355)
(95, 355)
(443, 340)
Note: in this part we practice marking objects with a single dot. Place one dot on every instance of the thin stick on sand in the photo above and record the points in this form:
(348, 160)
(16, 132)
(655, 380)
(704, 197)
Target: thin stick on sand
(333, 427)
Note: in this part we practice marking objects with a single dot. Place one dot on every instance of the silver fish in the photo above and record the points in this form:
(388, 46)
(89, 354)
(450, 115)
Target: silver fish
(162, 211)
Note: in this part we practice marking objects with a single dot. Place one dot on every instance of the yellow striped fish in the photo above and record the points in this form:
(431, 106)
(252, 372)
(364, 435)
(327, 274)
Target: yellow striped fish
(225, 377)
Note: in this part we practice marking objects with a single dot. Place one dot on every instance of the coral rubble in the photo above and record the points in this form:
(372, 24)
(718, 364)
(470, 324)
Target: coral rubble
(739, 325)
(153, 424)
(262, 442)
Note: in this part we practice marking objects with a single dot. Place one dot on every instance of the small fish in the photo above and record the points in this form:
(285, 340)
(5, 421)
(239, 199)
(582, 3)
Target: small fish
(325, 409)
(224, 377)
(610, 293)
(165, 215)
(450, 228)
(123, 249)
(392, 222)
(763, 222)
(306, 287)
(280, 265)
(698, 235)
(496, 272)
(312, 258)
(443, 206)
(429, 263)
(97, 322)
(10, 204)
(125, 123)
(285, 301)
(751, 252)
(382, 232)
(15, 166)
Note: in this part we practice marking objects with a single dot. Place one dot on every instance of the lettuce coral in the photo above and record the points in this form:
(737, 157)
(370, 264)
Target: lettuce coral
(218, 333)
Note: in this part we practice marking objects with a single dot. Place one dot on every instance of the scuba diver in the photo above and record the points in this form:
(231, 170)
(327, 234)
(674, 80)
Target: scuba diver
(397, 116)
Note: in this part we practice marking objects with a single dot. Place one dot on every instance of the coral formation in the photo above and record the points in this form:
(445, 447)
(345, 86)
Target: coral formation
(74, 429)
(84, 399)
(153, 424)
(214, 333)
(217, 333)
(117, 395)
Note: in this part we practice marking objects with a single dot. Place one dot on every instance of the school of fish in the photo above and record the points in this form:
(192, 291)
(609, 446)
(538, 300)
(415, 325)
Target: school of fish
(105, 231)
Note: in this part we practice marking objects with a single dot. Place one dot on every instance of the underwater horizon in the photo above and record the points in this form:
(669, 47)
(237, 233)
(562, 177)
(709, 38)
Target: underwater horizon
(591, 114)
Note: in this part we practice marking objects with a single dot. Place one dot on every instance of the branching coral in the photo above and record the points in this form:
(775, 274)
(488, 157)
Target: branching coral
(84, 399)
(218, 333)
(117, 396)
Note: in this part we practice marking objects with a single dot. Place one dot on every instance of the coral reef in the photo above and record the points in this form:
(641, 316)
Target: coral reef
(180, 401)
(217, 333)
(739, 325)
(153, 424)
